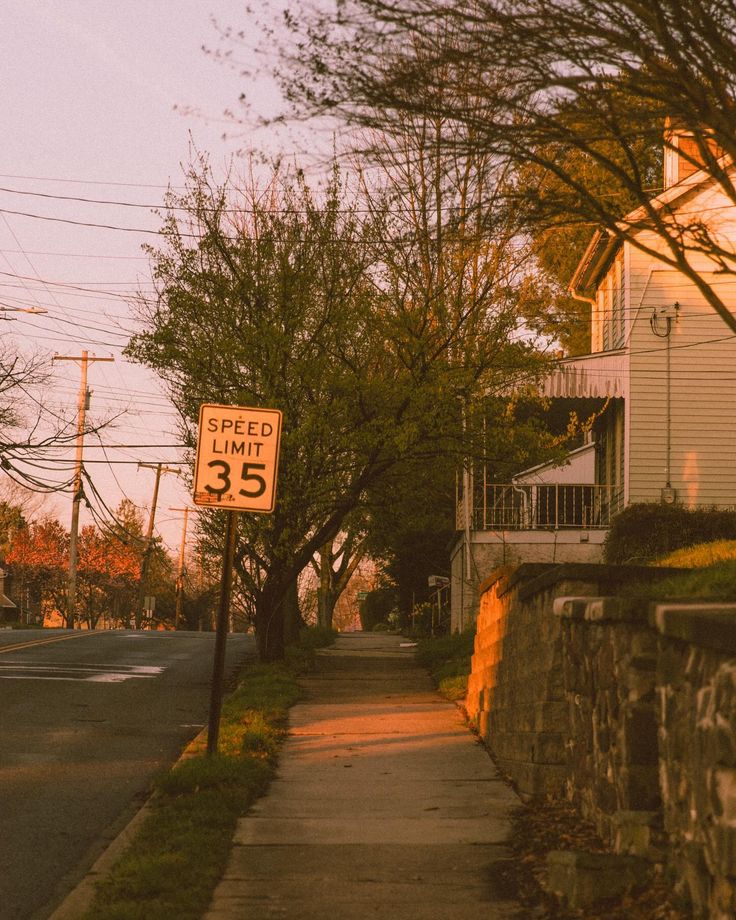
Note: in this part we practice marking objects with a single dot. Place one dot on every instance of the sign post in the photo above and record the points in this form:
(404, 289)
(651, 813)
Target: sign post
(235, 470)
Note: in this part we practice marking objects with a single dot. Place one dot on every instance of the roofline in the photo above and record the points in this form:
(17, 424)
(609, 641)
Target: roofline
(553, 463)
(596, 255)
(690, 183)
(595, 259)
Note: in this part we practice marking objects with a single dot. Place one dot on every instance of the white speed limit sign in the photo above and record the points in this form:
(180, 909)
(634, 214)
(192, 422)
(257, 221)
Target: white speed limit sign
(237, 458)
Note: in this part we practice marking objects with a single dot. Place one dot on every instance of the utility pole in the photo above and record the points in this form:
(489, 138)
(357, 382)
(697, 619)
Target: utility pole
(83, 404)
(180, 575)
(146, 561)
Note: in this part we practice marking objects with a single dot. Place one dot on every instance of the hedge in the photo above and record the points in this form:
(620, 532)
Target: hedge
(643, 532)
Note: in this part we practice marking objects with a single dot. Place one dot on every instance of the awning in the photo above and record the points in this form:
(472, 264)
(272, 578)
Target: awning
(600, 376)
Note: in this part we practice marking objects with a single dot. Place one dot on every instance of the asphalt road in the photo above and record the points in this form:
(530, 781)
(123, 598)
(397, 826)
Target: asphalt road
(86, 721)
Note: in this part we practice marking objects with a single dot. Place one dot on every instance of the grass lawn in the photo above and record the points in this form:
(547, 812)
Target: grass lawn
(712, 576)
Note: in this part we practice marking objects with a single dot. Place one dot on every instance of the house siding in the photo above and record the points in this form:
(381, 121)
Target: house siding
(608, 326)
(702, 395)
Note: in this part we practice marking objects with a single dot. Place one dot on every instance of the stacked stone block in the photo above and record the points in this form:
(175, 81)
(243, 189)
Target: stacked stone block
(696, 679)
(627, 707)
(515, 692)
(609, 661)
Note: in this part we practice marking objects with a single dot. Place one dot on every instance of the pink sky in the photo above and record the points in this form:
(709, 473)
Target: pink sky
(89, 110)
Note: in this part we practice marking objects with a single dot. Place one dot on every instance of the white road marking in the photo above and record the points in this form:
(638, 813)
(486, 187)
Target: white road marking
(90, 673)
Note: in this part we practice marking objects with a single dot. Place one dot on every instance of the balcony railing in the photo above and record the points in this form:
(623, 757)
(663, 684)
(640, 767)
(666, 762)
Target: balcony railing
(543, 506)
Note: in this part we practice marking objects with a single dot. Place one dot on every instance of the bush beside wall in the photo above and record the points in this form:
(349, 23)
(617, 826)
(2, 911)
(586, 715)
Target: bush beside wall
(643, 532)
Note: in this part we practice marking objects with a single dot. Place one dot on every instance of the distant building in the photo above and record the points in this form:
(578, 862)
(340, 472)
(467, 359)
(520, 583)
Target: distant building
(8, 610)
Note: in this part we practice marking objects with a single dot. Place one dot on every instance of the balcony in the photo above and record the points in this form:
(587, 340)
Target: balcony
(542, 506)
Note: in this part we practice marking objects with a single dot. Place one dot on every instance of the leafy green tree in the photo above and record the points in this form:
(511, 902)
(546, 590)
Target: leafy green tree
(270, 306)
(279, 298)
(377, 607)
(12, 520)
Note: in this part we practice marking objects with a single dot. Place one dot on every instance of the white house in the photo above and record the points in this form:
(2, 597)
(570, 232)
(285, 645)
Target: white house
(663, 367)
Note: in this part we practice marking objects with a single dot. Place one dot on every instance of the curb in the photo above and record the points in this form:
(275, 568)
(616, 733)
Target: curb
(80, 898)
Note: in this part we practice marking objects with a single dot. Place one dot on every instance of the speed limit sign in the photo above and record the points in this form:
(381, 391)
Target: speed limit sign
(237, 458)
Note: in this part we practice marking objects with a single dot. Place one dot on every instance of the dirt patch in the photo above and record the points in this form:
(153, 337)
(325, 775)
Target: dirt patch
(555, 825)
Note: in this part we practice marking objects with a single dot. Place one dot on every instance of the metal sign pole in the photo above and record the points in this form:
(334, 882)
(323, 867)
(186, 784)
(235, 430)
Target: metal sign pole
(235, 470)
(223, 617)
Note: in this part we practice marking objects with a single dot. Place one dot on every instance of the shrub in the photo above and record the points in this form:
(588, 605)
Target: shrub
(377, 607)
(317, 636)
(643, 532)
(448, 661)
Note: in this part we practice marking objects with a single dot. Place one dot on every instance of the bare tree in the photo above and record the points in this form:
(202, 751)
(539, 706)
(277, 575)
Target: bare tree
(573, 93)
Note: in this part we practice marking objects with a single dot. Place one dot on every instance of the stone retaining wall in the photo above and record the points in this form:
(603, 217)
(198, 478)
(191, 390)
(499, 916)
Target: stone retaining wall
(696, 686)
(516, 695)
(628, 708)
(609, 655)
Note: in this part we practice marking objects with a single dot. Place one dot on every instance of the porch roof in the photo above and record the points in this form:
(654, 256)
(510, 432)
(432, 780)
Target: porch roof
(601, 375)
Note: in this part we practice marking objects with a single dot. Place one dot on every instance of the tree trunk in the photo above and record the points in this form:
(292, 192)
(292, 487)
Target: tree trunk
(269, 624)
(278, 619)
(326, 602)
(325, 596)
(293, 621)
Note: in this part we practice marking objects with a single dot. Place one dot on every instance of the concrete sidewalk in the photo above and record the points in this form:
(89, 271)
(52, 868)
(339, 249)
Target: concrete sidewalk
(384, 805)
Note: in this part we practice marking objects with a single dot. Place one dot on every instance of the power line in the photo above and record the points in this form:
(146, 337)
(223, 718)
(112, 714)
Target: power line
(67, 338)
(69, 286)
(88, 181)
(75, 255)
(214, 209)
(84, 223)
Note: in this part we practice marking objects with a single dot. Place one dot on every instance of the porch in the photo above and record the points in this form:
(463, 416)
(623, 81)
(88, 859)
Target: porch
(555, 512)
(539, 506)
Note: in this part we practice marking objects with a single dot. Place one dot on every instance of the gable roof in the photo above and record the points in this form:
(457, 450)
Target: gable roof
(605, 243)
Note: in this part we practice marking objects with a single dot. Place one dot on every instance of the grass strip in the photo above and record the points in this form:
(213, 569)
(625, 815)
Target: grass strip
(447, 659)
(711, 583)
(701, 555)
(179, 855)
(712, 575)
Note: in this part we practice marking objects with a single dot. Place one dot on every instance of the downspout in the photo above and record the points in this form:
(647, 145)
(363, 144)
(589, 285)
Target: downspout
(467, 499)
(591, 300)
(669, 314)
(524, 502)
